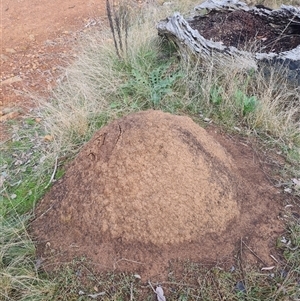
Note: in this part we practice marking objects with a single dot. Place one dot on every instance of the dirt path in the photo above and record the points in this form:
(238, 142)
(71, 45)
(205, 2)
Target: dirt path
(25, 22)
(36, 39)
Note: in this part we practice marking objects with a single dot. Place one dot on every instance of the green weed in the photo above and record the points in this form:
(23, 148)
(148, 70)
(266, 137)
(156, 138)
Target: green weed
(153, 85)
(24, 165)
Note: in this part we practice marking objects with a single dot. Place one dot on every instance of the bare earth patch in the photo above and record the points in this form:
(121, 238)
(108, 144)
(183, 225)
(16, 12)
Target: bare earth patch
(37, 38)
(153, 187)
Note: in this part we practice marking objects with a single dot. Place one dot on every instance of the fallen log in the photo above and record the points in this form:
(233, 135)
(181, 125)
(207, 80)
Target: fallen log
(231, 28)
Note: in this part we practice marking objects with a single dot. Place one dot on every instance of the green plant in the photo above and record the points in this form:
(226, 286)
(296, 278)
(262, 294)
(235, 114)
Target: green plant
(152, 85)
(248, 104)
(216, 94)
(25, 167)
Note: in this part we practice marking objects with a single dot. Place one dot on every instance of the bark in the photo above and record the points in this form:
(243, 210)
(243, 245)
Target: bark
(190, 42)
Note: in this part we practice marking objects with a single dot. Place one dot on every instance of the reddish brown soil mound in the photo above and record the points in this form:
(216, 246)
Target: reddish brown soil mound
(148, 188)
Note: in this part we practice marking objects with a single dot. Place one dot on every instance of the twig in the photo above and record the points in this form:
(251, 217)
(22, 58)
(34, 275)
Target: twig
(111, 24)
(131, 291)
(44, 212)
(152, 286)
(179, 284)
(274, 258)
(128, 260)
(254, 253)
(118, 25)
(53, 174)
(241, 258)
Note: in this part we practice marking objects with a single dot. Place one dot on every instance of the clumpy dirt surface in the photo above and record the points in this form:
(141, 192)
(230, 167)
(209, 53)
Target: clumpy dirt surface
(245, 30)
(152, 187)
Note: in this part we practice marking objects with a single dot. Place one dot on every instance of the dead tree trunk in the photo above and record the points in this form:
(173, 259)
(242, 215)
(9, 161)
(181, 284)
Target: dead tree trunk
(283, 25)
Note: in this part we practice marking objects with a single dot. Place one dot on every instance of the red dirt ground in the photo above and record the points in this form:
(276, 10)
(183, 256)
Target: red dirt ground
(36, 39)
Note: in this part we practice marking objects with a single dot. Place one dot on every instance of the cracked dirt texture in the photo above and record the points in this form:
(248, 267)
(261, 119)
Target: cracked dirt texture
(150, 188)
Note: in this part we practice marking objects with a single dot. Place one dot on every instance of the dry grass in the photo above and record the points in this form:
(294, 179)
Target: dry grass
(90, 93)
(19, 279)
(247, 98)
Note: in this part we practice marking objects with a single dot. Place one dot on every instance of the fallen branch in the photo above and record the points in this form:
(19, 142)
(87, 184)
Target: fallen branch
(254, 254)
(53, 174)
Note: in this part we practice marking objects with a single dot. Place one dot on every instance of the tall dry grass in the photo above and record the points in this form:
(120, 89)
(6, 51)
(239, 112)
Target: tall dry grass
(231, 89)
(86, 96)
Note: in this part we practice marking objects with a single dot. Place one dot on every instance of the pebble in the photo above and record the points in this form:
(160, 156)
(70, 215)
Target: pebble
(31, 37)
(4, 57)
(48, 138)
(10, 50)
(7, 110)
(11, 80)
(8, 116)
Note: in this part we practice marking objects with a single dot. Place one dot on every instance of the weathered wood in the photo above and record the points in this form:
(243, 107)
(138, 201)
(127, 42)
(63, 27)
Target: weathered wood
(190, 42)
(287, 17)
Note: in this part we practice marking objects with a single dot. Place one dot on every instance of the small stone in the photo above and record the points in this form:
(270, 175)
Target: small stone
(288, 190)
(31, 37)
(7, 110)
(4, 57)
(13, 196)
(10, 50)
(240, 287)
(296, 182)
(11, 80)
(48, 138)
(8, 116)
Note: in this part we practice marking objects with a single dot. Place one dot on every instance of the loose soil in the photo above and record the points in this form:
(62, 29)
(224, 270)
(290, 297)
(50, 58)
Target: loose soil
(245, 30)
(153, 187)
